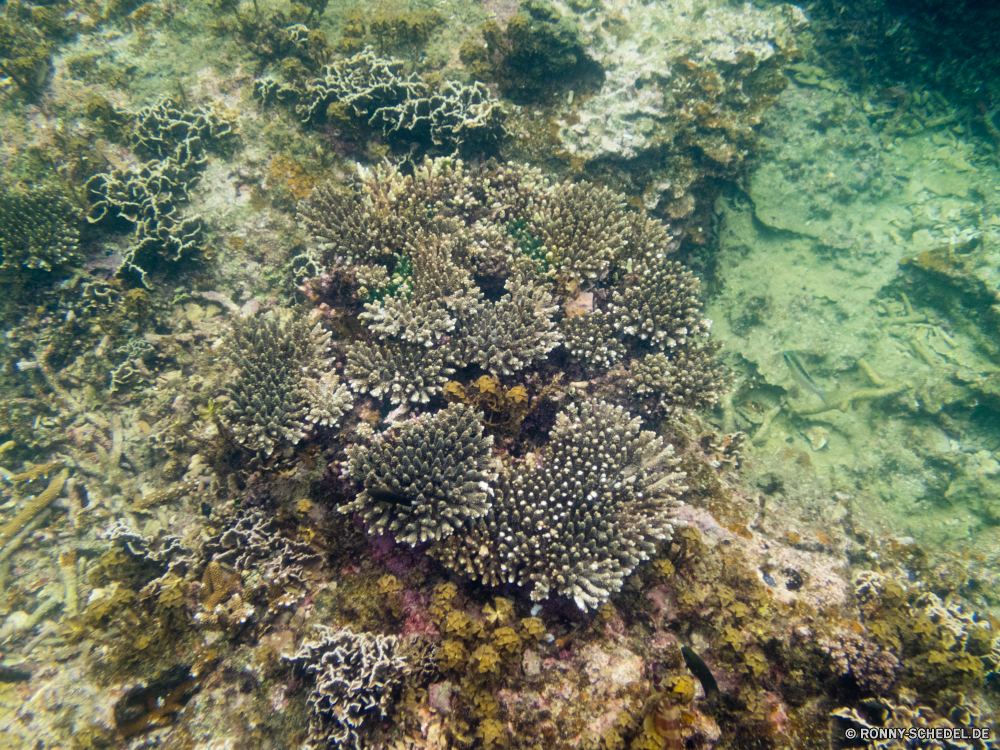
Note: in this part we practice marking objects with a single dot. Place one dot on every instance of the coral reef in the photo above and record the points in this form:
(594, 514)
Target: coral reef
(908, 721)
(438, 460)
(25, 47)
(32, 508)
(356, 676)
(512, 333)
(582, 228)
(577, 521)
(149, 196)
(280, 368)
(429, 481)
(684, 85)
(369, 91)
(399, 373)
(275, 567)
(38, 231)
(575, 267)
(165, 128)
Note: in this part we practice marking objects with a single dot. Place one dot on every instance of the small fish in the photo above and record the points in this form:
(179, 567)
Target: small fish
(382, 494)
(801, 376)
(14, 674)
(700, 670)
(667, 721)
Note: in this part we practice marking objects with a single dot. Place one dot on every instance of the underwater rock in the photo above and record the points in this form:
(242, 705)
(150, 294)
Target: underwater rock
(684, 83)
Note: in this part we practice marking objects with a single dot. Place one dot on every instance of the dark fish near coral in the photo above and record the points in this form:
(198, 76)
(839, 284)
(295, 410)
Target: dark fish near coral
(802, 376)
(13, 674)
(700, 670)
(382, 494)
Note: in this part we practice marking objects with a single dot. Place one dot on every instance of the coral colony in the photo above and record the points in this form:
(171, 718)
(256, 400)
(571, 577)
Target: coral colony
(359, 389)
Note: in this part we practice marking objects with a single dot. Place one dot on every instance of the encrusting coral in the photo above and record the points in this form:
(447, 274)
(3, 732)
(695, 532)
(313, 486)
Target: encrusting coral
(428, 481)
(149, 196)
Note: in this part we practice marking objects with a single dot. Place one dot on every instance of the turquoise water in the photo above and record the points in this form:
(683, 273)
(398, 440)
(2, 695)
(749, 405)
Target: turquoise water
(563, 375)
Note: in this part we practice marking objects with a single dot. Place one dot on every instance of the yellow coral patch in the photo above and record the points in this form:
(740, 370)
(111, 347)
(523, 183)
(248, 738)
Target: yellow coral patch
(518, 394)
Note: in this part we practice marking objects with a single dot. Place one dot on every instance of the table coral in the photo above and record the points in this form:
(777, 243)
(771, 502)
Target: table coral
(576, 523)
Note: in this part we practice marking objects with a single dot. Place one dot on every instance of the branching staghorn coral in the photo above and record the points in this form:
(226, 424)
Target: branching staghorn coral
(590, 338)
(582, 228)
(689, 378)
(428, 481)
(426, 246)
(329, 399)
(659, 304)
(351, 227)
(398, 372)
(32, 508)
(38, 231)
(510, 334)
(67, 571)
(576, 520)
